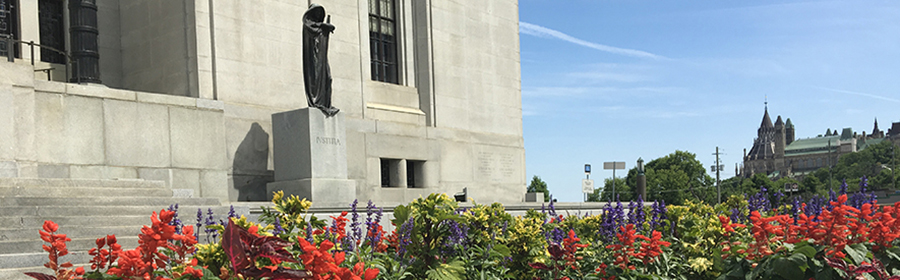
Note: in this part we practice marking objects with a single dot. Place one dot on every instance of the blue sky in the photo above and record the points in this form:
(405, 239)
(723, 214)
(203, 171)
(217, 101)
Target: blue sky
(618, 80)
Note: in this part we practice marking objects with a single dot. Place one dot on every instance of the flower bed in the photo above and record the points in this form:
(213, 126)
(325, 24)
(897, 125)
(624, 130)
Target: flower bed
(839, 237)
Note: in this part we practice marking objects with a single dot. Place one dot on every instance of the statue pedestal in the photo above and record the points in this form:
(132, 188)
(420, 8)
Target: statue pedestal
(310, 155)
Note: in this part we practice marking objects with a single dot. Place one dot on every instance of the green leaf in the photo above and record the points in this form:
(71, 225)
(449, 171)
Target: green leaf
(447, 271)
(792, 267)
(806, 250)
(401, 215)
(855, 254)
(893, 253)
(502, 250)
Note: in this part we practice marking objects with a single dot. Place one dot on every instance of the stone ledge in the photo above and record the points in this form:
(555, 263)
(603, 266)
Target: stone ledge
(392, 108)
(100, 91)
(166, 99)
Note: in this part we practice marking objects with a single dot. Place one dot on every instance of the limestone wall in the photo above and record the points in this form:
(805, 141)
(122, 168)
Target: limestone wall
(59, 130)
(456, 109)
(158, 46)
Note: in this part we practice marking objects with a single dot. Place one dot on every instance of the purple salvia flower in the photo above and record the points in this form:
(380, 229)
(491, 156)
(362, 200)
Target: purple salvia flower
(199, 222)
(631, 209)
(863, 183)
(844, 186)
(309, 236)
(231, 213)
(354, 225)
(736, 215)
(795, 208)
(557, 235)
(404, 236)
(175, 220)
(278, 229)
(778, 196)
(831, 197)
(619, 214)
(210, 220)
(639, 216)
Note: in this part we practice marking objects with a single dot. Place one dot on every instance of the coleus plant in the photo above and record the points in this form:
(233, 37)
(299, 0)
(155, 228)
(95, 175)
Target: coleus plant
(244, 247)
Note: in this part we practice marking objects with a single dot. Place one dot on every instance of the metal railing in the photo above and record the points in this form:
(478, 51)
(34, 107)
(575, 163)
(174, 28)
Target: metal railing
(10, 54)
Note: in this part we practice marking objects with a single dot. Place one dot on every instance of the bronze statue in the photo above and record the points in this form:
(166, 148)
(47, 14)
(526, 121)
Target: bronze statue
(316, 72)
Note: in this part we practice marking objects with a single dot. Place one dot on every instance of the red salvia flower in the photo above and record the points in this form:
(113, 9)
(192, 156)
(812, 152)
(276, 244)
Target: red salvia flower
(56, 249)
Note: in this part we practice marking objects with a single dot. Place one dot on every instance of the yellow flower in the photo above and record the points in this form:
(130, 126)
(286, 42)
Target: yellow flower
(277, 196)
(700, 264)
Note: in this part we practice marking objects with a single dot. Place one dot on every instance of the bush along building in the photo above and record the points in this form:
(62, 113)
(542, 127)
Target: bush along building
(777, 153)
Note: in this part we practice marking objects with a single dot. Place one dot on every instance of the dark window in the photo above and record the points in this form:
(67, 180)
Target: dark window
(383, 40)
(385, 173)
(415, 176)
(9, 25)
(52, 25)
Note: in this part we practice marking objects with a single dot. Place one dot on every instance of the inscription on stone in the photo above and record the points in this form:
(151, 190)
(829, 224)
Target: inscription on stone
(496, 166)
(328, 141)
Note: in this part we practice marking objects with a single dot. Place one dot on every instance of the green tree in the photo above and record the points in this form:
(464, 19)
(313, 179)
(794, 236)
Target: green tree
(811, 185)
(675, 178)
(605, 193)
(538, 185)
(757, 182)
(867, 162)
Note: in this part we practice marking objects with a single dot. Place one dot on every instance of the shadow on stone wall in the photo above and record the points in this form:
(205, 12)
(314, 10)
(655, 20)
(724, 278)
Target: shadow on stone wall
(250, 167)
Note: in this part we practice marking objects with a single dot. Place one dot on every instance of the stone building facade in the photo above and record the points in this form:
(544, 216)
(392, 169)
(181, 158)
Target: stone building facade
(777, 153)
(430, 91)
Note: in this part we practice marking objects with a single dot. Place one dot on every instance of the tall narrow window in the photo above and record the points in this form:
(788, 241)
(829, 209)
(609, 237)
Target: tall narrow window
(9, 25)
(52, 25)
(415, 175)
(385, 173)
(383, 40)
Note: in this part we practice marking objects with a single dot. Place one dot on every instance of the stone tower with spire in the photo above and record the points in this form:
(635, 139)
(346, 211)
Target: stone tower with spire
(788, 132)
(779, 144)
(762, 155)
(876, 133)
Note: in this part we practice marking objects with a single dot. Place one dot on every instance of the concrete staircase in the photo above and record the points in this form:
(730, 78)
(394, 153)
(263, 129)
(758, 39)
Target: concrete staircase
(85, 210)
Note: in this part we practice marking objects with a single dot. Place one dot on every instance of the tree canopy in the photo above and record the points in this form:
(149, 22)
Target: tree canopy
(538, 185)
(675, 178)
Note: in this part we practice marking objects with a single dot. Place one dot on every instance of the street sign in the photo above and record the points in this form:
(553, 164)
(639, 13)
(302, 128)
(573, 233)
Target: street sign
(614, 165)
(789, 187)
(587, 185)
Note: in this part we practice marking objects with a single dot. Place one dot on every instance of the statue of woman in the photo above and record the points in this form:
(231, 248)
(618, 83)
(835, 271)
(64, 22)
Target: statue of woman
(316, 72)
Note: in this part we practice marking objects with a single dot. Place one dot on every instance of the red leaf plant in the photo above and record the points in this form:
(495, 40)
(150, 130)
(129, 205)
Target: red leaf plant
(56, 249)
(858, 272)
(245, 247)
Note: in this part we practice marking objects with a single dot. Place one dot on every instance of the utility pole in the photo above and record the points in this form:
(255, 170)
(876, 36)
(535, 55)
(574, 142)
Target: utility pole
(718, 168)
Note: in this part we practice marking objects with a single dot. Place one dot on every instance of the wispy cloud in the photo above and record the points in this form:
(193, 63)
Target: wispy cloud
(579, 91)
(860, 94)
(540, 31)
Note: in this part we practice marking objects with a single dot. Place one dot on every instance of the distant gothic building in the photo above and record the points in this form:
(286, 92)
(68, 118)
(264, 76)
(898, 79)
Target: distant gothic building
(777, 153)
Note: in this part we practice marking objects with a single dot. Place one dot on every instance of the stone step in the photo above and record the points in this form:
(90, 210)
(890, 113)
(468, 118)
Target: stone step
(111, 210)
(125, 229)
(110, 201)
(77, 244)
(35, 191)
(89, 183)
(13, 266)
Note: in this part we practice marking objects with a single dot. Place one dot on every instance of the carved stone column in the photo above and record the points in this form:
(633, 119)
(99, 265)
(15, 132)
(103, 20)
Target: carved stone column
(83, 33)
